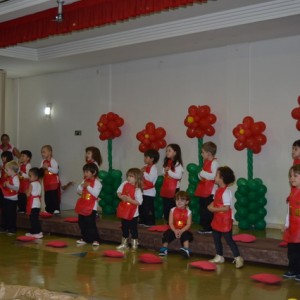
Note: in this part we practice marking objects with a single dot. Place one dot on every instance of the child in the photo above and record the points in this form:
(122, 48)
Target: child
(296, 152)
(6, 157)
(130, 194)
(173, 171)
(205, 186)
(180, 221)
(292, 233)
(146, 210)
(34, 201)
(6, 146)
(86, 206)
(51, 181)
(222, 219)
(93, 155)
(10, 189)
(25, 166)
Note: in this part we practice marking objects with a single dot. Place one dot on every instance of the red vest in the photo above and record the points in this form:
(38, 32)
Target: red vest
(9, 148)
(8, 192)
(222, 220)
(180, 217)
(147, 185)
(296, 162)
(168, 188)
(86, 202)
(51, 181)
(205, 187)
(292, 234)
(126, 210)
(24, 182)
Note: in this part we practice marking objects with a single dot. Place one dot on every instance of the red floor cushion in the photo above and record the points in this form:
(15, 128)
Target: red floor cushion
(24, 238)
(149, 258)
(113, 253)
(283, 244)
(45, 214)
(266, 278)
(244, 238)
(57, 244)
(71, 219)
(204, 265)
(159, 228)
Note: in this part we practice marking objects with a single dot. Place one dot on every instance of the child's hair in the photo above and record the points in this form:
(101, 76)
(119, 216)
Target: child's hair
(152, 153)
(37, 172)
(296, 143)
(96, 154)
(138, 175)
(210, 147)
(48, 147)
(183, 195)
(226, 174)
(12, 165)
(295, 169)
(27, 153)
(177, 158)
(8, 155)
(91, 167)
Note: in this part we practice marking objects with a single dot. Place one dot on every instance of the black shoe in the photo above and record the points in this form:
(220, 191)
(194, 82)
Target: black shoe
(205, 231)
(185, 252)
(297, 278)
(289, 274)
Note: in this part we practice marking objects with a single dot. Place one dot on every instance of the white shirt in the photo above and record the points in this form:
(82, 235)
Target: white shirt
(95, 190)
(172, 211)
(152, 177)
(36, 191)
(54, 166)
(176, 174)
(15, 186)
(25, 175)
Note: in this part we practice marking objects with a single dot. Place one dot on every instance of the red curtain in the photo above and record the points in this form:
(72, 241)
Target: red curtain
(81, 15)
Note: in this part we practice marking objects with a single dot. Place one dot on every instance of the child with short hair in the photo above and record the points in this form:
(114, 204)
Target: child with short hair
(206, 184)
(222, 217)
(131, 196)
(86, 206)
(296, 152)
(93, 155)
(25, 166)
(180, 221)
(173, 172)
(51, 180)
(33, 207)
(146, 210)
(10, 188)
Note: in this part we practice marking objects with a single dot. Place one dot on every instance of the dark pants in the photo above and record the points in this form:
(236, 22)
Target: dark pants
(146, 211)
(9, 215)
(206, 216)
(294, 257)
(88, 227)
(217, 235)
(169, 236)
(130, 226)
(34, 221)
(22, 199)
(52, 201)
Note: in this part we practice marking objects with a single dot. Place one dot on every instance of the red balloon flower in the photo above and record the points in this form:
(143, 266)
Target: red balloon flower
(199, 121)
(250, 135)
(296, 114)
(151, 138)
(108, 126)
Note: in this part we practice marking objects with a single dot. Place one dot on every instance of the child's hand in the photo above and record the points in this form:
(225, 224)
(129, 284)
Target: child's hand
(85, 184)
(45, 166)
(178, 233)
(143, 169)
(210, 207)
(5, 183)
(167, 169)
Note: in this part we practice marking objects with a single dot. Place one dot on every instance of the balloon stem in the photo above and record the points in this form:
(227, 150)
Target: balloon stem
(109, 153)
(250, 163)
(200, 158)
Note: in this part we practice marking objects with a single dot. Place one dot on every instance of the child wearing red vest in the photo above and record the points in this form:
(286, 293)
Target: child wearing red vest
(222, 220)
(292, 232)
(130, 194)
(206, 184)
(25, 166)
(10, 189)
(33, 206)
(51, 181)
(173, 171)
(180, 221)
(86, 206)
(146, 210)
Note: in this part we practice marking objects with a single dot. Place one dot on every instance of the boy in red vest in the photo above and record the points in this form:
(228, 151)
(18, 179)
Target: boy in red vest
(180, 221)
(206, 184)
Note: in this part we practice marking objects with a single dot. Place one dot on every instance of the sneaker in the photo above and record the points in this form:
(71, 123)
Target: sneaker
(28, 234)
(95, 243)
(203, 231)
(185, 252)
(289, 274)
(239, 262)
(163, 251)
(218, 259)
(80, 242)
(11, 233)
(56, 212)
(38, 235)
(297, 278)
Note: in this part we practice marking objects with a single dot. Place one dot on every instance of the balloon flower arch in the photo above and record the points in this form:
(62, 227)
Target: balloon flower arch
(250, 194)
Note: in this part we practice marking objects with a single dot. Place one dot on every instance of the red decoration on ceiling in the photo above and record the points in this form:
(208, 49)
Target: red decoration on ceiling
(296, 114)
(151, 138)
(250, 135)
(108, 126)
(199, 121)
(81, 15)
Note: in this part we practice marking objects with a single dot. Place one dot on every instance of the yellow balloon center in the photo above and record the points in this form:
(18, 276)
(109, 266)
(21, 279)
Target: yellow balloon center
(190, 119)
(100, 124)
(146, 136)
(242, 131)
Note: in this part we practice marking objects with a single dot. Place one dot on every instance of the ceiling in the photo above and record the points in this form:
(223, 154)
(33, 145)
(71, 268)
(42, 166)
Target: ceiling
(214, 24)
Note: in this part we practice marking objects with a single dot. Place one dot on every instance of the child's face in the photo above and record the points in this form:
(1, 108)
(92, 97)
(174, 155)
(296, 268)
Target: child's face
(5, 140)
(131, 179)
(296, 152)
(88, 174)
(46, 153)
(89, 156)
(148, 160)
(32, 177)
(205, 154)
(10, 172)
(218, 179)
(295, 179)
(181, 203)
(170, 153)
(3, 159)
(24, 158)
